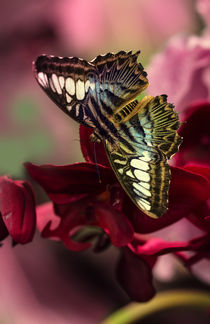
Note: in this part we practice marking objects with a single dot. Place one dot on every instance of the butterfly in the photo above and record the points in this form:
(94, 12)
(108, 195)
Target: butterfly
(139, 135)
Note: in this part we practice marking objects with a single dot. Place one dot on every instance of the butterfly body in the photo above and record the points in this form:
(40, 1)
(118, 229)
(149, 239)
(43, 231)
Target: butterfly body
(139, 135)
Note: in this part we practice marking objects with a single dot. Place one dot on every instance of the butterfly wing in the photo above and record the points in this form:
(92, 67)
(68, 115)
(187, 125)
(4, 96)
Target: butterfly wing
(140, 159)
(68, 81)
(87, 90)
(121, 77)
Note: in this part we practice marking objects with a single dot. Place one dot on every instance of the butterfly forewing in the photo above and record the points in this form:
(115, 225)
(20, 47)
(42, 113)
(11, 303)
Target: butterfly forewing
(68, 82)
(121, 77)
(107, 82)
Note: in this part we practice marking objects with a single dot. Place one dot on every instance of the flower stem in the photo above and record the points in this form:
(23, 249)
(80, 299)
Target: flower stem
(163, 300)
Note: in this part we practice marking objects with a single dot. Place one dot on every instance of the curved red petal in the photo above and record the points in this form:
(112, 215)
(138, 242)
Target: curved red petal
(64, 236)
(135, 276)
(59, 228)
(45, 213)
(115, 224)
(196, 135)
(18, 209)
(64, 183)
(157, 246)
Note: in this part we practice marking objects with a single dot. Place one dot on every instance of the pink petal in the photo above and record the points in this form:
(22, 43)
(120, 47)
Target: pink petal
(203, 7)
(18, 209)
(156, 246)
(185, 61)
(45, 214)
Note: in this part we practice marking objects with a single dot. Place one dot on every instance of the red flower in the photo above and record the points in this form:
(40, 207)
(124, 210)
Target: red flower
(196, 133)
(17, 210)
(88, 194)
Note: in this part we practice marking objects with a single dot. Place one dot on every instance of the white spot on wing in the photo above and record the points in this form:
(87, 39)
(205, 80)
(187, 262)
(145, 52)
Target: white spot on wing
(80, 90)
(87, 84)
(144, 204)
(123, 162)
(68, 98)
(42, 79)
(130, 174)
(70, 86)
(56, 83)
(136, 163)
(141, 189)
(146, 185)
(142, 175)
(69, 108)
(146, 157)
(120, 171)
(62, 81)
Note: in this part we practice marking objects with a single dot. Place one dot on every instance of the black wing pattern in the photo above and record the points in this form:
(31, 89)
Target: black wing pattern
(87, 91)
(139, 135)
(140, 160)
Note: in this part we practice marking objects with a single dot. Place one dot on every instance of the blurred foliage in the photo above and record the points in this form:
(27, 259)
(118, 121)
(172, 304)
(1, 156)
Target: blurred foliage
(32, 141)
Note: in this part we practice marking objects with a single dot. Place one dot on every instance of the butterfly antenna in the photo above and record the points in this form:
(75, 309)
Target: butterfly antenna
(96, 163)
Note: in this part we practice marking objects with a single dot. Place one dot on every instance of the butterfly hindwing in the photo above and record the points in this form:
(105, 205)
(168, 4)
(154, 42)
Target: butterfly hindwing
(145, 176)
(148, 139)
(160, 123)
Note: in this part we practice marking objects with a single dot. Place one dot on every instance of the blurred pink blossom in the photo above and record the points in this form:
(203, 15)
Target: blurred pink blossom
(182, 70)
(93, 26)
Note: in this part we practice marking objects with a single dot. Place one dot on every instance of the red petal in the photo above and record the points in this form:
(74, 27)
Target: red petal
(187, 191)
(64, 183)
(203, 170)
(135, 276)
(3, 230)
(18, 209)
(94, 153)
(156, 246)
(200, 216)
(59, 228)
(115, 224)
(45, 214)
(64, 236)
(196, 135)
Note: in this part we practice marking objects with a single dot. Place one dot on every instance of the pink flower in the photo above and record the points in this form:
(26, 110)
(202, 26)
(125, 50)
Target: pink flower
(182, 70)
(89, 26)
(81, 200)
(17, 210)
